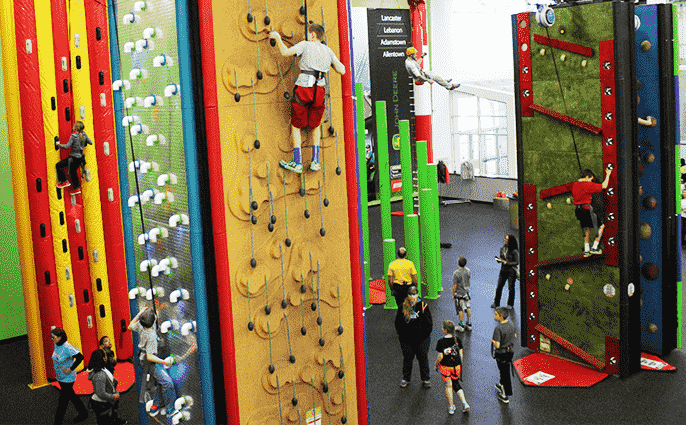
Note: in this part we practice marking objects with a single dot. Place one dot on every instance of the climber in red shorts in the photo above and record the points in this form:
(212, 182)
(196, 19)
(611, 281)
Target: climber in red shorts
(582, 191)
(308, 101)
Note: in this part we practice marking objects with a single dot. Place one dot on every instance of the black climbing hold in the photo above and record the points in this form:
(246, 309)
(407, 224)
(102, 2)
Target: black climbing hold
(294, 401)
(253, 263)
(270, 227)
(303, 289)
(253, 219)
(237, 97)
(344, 419)
(272, 42)
(341, 374)
(259, 75)
(338, 171)
(256, 144)
(331, 130)
(322, 232)
(291, 358)
(271, 368)
(307, 213)
(267, 309)
(284, 304)
(326, 202)
(302, 192)
(288, 242)
(325, 387)
(251, 326)
(286, 95)
(321, 341)
(319, 320)
(272, 219)
(340, 330)
(302, 10)
(303, 330)
(253, 205)
(249, 17)
(314, 306)
(267, 20)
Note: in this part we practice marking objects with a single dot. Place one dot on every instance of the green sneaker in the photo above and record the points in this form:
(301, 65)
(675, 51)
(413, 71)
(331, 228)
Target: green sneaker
(291, 165)
(587, 254)
(596, 251)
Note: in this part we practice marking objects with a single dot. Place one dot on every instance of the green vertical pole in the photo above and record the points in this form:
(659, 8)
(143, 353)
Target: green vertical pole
(428, 223)
(436, 221)
(384, 170)
(406, 168)
(388, 258)
(422, 159)
(421, 179)
(364, 208)
(424, 217)
(411, 223)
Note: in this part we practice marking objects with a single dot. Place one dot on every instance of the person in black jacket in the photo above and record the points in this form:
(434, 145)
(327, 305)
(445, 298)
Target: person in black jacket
(105, 398)
(509, 258)
(414, 324)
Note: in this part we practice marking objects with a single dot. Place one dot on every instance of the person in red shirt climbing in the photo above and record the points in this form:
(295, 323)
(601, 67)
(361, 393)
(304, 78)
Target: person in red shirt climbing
(582, 192)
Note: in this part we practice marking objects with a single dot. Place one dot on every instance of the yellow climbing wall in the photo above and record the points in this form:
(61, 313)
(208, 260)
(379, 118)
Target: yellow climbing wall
(315, 277)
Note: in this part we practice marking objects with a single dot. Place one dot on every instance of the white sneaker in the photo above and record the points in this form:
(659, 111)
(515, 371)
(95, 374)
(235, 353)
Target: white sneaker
(459, 328)
(314, 166)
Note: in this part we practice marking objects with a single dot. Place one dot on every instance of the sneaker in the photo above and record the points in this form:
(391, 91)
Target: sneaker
(465, 408)
(76, 192)
(500, 389)
(451, 410)
(314, 166)
(509, 307)
(493, 305)
(468, 326)
(63, 185)
(454, 86)
(404, 383)
(502, 397)
(154, 410)
(596, 251)
(427, 384)
(291, 165)
(587, 254)
(459, 328)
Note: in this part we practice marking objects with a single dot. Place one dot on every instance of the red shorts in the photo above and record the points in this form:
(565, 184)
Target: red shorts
(450, 372)
(311, 115)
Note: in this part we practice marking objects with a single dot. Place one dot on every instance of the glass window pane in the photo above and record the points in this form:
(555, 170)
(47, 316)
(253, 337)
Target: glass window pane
(475, 147)
(489, 146)
(463, 147)
(466, 106)
(467, 124)
(492, 108)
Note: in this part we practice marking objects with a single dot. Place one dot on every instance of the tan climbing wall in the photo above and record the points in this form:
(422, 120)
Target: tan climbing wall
(320, 263)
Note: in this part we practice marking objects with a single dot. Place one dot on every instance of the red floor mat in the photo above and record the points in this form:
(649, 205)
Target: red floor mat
(377, 291)
(401, 213)
(124, 373)
(544, 370)
(654, 363)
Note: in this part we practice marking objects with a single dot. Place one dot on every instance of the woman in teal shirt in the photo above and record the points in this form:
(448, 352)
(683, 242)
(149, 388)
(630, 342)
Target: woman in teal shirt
(65, 359)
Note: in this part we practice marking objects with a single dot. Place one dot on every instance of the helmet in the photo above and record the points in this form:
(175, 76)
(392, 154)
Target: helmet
(147, 319)
(411, 51)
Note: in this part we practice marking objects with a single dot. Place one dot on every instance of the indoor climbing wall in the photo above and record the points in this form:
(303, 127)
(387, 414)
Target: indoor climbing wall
(574, 112)
(152, 123)
(657, 73)
(287, 234)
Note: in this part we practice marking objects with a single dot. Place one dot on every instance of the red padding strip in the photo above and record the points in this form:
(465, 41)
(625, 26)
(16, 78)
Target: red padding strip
(557, 190)
(564, 45)
(526, 95)
(531, 279)
(571, 347)
(566, 118)
(611, 355)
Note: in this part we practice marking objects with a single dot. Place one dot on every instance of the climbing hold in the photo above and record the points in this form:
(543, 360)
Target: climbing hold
(288, 242)
(549, 205)
(547, 277)
(650, 203)
(254, 205)
(303, 10)
(271, 368)
(563, 58)
(303, 330)
(542, 52)
(331, 130)
(251, 326)
(284, 304)
(291, 358)
(270, 227)
(325, 387)
(650, 271)
(314, 306)
(272, 219)
(307, 213)
(569, 200)
(640, 190)
(338, 171)
(344, 419)
(584, 63)
(253, 263)
(294, 401)
(272, 41)
(256, 144)
(286, 95)
(237, 97)
(322, 232)
(645, 45)
(267, 309)
(267, 20)
(341, 374)
(319, 320)
(321, 342)
(567, 287)
(302, 192)
(563, 30)
(253, 219)
(340, 330)
(326, 202)
(259, 75)
(303, 289)
(652, 328)
(649, 158)
(249, 17)
(645, 231)
(570, 281)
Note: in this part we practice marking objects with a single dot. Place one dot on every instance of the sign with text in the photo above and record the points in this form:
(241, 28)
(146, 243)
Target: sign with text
(390, 34)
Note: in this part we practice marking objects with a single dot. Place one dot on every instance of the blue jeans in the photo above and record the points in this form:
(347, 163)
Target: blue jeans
(165, 394)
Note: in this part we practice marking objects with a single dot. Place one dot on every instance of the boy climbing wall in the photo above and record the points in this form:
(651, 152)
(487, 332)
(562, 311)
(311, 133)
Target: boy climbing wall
(582, 192)
(308, 101)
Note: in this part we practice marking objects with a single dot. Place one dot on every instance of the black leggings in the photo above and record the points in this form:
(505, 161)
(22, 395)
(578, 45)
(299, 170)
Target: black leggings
(73, 164)
(412, 350)
(66, 395)
(105, 412)
(504, 361)
(510, 275)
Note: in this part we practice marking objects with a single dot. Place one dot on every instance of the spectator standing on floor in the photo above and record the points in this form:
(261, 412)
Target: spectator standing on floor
(65, 359)
(414, 324)
(504, 336)
(105, 398)
(509, 258)
(401, 274)
(461, 283)
(449, 364)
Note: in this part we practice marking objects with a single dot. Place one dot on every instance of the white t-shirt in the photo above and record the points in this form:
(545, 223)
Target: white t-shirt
(314, 56)
(414, 69)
